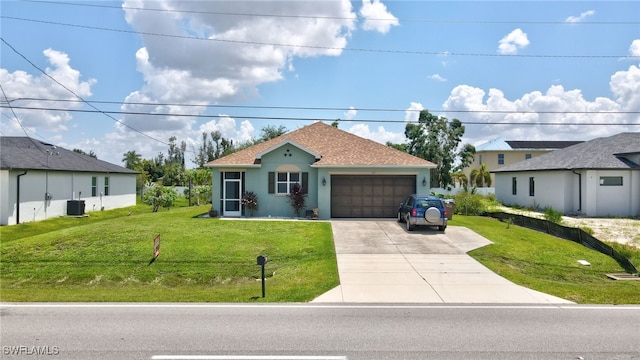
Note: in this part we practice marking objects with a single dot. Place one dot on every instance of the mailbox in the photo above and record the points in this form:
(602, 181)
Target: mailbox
(262, 259)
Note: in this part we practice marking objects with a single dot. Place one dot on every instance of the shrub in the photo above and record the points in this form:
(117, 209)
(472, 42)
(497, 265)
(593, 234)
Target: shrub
(552, 215)
(250, 201)
(470, 204)
(157, 196)
(296, 198)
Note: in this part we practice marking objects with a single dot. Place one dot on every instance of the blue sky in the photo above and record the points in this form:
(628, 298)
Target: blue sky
(503, 68)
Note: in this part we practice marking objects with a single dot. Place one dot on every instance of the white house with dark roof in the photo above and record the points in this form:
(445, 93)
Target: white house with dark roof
(342, 174)
(598, 178)
(39, 181)
(500, 152)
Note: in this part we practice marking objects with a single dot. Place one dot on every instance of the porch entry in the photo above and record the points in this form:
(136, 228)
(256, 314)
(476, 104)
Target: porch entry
(232, 193)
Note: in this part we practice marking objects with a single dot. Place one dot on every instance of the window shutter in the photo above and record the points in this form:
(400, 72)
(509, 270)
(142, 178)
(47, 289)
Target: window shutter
(272, 182)
(305, 181)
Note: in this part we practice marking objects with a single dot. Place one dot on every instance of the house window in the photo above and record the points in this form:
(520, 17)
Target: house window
(500, 159)
(94, 186)
(527, 156)
(610, 180)
(514, 185)
(106, 186)
(532, 186)
(480, 159)
(285, 181)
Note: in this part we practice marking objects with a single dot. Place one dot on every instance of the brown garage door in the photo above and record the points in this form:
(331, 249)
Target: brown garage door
(369, 196)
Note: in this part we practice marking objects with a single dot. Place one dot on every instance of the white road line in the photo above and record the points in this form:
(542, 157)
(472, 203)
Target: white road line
(310, 306)
(244, 357)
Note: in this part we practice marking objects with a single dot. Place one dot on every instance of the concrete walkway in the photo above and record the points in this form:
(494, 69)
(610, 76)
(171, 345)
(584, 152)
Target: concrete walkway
(380, 262)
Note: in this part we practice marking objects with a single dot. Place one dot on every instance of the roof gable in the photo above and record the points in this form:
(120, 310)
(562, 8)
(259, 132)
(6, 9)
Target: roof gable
(286, 142)
(332, 147)
(24, 153)
(599, 153)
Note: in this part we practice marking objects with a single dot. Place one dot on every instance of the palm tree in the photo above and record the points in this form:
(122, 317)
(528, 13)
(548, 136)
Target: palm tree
(460, 178)
(131, 159)
(481, 177)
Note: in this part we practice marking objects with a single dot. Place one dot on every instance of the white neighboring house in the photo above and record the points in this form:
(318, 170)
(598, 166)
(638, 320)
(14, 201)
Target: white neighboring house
(597, 178)
(38, 179)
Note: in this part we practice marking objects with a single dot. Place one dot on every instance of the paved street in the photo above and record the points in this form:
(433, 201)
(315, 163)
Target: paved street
(310, 331)
(380, 262)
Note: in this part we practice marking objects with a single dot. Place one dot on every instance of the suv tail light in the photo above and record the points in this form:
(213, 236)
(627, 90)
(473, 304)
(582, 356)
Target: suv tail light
(445, 212)
(414, 212)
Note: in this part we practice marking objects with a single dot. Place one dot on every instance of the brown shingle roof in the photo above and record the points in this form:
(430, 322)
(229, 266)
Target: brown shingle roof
(337, 148)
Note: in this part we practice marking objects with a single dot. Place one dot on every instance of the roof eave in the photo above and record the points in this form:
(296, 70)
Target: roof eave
(343, 166)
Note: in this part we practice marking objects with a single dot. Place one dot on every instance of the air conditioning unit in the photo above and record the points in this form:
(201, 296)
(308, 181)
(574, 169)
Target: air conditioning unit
(75, 207)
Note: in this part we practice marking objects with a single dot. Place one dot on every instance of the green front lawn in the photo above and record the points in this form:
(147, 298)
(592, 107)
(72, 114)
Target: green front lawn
(201, 259)
(105, 257)
(549, 264)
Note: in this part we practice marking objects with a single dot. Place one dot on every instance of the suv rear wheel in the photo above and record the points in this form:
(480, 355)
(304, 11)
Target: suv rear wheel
(409, 226)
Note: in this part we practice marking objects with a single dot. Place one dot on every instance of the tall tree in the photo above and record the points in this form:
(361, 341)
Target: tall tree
(481, 176)
(90, 153)
(436, 139)
(131, 160)
(270, 131)
(176, 154)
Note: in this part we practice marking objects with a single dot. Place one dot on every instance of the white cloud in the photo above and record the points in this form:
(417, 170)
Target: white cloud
(437, 77)
(582, 17)
(412, 114)
(351, 113)
(20, 84)
(377, 17)
(510, 44)
(231, 57)
(556, 105)
(380, 135)
(634, 49)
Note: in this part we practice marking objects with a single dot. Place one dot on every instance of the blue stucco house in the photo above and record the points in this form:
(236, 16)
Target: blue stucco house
(342, 175)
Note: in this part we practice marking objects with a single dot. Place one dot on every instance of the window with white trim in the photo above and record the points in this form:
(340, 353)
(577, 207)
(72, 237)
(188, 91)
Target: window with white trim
(286, 180)
(610, 180)
(94, 186)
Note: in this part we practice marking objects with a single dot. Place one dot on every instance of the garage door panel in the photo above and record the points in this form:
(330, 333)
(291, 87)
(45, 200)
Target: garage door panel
(369, 195)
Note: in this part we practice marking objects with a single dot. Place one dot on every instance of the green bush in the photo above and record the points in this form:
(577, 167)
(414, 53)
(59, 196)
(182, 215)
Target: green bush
(552, 215)
(470, 204)
(157, 196)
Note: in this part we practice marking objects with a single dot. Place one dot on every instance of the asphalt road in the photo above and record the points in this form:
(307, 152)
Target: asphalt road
(307, 331)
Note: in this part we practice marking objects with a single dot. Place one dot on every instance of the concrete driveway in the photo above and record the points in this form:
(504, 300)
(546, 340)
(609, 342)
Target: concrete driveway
(380, 262)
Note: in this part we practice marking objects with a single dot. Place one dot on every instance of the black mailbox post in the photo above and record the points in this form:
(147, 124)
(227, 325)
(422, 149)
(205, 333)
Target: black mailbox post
(262, 260)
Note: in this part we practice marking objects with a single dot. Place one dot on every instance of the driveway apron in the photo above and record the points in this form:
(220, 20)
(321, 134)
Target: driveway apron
(380, 262)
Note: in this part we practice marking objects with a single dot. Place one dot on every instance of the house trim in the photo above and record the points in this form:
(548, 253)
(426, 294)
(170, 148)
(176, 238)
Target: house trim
(284, 143)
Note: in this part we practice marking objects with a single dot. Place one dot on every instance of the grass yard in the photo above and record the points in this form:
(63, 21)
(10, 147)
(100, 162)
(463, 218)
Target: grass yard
(106, 258)
(549, 264)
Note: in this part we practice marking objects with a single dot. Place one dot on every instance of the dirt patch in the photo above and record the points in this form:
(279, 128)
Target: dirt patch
(624, 231)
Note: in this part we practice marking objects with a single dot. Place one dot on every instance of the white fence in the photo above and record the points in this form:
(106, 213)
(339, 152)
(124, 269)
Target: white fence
(455, 190)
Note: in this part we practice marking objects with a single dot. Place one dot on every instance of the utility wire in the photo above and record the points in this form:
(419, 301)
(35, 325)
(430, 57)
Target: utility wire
(246, 42)
(78, 96)
(335, 17)
(251, 107)
(285, 118)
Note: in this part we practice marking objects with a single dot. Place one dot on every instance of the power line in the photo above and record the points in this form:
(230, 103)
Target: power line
(313, 108)
(287, 118)
(337, 17)
(317, 47)
(78, 96)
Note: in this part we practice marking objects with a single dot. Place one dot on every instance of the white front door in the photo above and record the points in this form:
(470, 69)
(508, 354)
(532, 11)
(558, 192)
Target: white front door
(232, 192)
